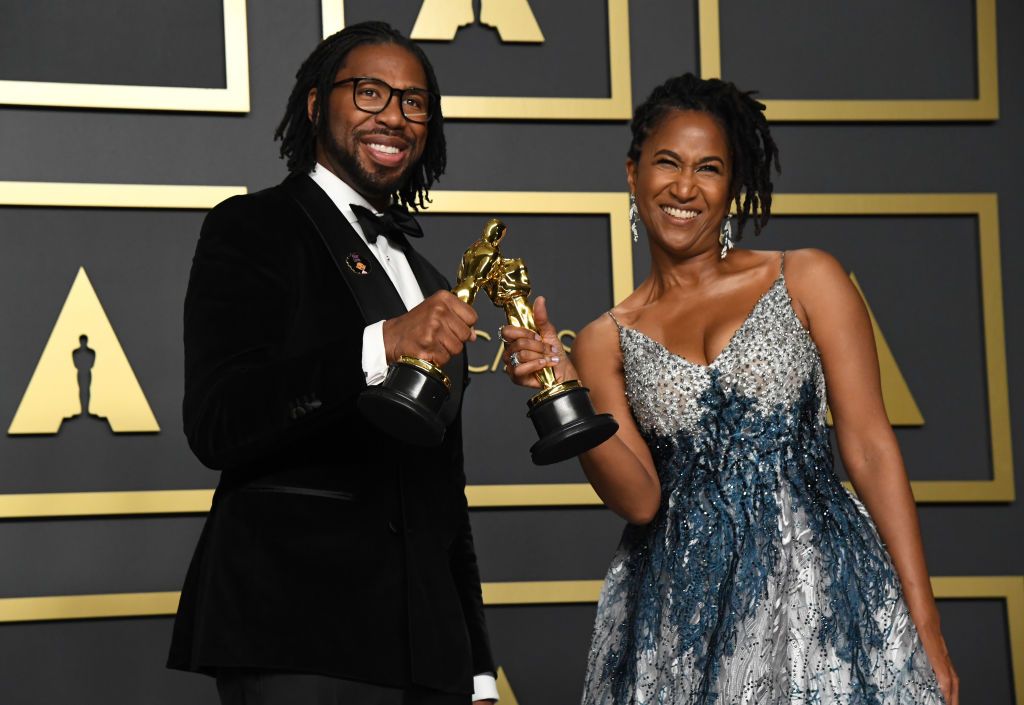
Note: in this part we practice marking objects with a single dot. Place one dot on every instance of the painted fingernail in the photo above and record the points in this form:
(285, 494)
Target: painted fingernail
(536, 336)
(555, 359)
(554, 348)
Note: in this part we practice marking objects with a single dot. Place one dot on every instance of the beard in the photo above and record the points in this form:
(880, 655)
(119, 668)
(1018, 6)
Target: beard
(369, 183)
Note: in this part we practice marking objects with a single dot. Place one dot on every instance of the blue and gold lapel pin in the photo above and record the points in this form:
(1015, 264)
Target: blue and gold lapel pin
(356, 263)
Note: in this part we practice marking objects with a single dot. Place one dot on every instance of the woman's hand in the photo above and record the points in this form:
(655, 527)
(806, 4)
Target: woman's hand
(938, 657)
(535, 352)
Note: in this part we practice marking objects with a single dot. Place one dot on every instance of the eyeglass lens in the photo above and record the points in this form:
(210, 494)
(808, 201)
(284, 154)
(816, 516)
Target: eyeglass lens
(372, 96)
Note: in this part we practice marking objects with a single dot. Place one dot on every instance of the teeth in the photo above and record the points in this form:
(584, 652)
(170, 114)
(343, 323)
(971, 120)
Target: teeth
(679, 212)
(386, 149)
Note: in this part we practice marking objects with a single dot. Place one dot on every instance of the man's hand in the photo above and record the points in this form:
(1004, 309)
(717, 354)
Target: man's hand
(435, 330)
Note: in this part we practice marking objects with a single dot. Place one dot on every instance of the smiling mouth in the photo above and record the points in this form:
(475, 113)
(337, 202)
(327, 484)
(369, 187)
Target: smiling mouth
(383, 148)
(385, 152)
(680, 213)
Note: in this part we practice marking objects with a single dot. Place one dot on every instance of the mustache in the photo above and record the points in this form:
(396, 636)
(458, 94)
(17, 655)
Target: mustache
(383, 131)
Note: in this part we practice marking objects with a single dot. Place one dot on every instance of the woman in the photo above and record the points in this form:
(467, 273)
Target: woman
(748, 574)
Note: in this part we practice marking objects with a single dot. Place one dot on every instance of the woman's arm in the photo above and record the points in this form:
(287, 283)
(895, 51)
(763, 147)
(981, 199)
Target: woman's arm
(839, 324)
(620, 469)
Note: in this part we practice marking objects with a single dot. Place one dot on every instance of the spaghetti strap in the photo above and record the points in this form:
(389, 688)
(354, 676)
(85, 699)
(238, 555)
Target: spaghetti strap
(612, 316)
(782, 264)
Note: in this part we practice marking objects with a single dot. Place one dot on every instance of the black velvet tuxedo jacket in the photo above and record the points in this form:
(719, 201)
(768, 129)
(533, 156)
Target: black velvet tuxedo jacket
(331, 548)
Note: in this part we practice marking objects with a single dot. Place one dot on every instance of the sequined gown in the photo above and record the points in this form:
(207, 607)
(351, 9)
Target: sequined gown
(761, 580)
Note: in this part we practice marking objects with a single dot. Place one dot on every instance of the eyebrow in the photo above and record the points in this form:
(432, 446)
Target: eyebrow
(381, 80)
(702, 160)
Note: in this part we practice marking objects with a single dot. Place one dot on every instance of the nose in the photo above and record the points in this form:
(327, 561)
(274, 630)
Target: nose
(684, 186)
(391, 115)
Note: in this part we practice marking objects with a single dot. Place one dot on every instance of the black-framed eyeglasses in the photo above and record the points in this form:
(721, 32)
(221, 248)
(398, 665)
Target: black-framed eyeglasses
(372, 95)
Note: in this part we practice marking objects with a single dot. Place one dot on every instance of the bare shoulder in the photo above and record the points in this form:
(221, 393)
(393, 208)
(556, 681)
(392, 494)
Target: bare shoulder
(598, 337)
(625, 313)
(811, 272)
(812, 266)
(597, 355)
(820, 287)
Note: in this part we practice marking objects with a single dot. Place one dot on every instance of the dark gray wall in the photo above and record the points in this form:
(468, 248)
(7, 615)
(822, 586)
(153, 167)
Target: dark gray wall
(919, 273)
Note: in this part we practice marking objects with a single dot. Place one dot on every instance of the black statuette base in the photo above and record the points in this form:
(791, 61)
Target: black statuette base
(568, 425)
(406, 405)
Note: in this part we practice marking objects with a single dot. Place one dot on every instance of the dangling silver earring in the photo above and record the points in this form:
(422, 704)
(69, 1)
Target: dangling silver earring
(725, 237)
(634, 216)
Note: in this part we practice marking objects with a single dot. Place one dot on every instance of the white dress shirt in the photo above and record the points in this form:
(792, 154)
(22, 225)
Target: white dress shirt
(375, 364)
(391, 258)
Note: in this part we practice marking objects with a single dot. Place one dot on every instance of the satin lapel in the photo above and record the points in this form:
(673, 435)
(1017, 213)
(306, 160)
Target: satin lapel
(376, 296)
(373, 291)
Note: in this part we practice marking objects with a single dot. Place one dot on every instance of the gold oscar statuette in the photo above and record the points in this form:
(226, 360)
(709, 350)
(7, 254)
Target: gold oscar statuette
(408, 402)
(562, 412)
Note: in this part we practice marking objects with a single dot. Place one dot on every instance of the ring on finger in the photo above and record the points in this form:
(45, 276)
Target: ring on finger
(513, 360)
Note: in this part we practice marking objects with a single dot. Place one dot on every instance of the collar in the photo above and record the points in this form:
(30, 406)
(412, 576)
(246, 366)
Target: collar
(340, 193)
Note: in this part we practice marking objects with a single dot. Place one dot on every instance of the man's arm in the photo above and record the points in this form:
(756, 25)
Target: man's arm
(247, 393)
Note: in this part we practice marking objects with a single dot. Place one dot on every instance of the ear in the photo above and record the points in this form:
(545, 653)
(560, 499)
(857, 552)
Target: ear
(311, 106)
(631, 175)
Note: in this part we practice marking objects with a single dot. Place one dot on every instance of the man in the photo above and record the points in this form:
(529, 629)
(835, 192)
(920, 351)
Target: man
(337, 563)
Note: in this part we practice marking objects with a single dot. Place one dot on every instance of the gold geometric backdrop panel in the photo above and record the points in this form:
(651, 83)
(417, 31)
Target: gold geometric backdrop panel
(982, 206)
(983, 108)
(439, 20)
(1007, 588)
(233, 98)
(83, 373)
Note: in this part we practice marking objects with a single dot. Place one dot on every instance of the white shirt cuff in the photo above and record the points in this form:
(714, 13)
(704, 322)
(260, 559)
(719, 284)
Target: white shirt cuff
(485, 687)
(375, 363)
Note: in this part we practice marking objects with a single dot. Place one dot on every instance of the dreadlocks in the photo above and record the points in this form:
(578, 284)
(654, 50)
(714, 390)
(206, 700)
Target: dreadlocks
(299, 136)
(751, 146)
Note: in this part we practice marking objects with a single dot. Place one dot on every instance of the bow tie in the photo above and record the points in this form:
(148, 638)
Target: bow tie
(394, 223)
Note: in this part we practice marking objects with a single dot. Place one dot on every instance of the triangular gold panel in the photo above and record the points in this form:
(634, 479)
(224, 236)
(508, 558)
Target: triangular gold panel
(513, 19)
(53, 393)
(507, 697)
(440, 20)
(899, 401)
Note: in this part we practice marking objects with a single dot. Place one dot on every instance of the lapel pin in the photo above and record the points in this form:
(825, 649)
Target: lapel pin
(356, 263)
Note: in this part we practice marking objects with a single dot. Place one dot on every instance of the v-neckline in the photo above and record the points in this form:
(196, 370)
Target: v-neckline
(732, 338)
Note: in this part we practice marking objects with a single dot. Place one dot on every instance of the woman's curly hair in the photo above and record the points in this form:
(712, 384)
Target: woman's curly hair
(751, 147)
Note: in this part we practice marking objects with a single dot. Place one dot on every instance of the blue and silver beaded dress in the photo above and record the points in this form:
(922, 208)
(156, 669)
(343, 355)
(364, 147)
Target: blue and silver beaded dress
(761, 581)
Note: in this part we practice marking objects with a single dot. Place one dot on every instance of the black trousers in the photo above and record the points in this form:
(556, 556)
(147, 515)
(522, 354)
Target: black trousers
(252, 687)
